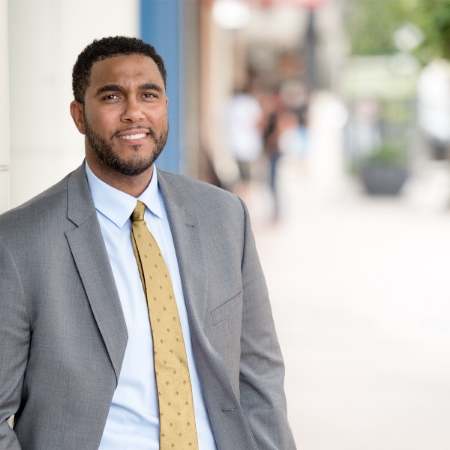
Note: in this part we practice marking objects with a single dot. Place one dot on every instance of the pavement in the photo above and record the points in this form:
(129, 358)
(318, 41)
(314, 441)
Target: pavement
(361, 299)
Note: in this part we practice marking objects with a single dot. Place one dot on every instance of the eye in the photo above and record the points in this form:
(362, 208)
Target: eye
(111, 97)
(150, 95)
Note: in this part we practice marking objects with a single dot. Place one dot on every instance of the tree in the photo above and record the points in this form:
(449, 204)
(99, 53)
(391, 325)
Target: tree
(433, 16)
(372, 24)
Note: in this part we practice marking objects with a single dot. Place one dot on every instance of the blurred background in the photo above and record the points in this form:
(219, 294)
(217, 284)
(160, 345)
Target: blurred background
(331, 119)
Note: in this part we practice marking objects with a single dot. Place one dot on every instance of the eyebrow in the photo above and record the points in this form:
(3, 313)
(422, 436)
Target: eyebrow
(150, 87)
(116, 87)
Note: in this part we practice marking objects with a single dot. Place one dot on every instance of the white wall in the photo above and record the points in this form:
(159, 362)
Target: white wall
(4, 108)
(45, 37)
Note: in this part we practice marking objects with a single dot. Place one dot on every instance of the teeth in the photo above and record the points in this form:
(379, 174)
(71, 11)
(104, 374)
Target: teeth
(133, 136)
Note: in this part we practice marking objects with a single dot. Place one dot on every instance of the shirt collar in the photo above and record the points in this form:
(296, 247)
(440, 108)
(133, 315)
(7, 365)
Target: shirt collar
(116, 205)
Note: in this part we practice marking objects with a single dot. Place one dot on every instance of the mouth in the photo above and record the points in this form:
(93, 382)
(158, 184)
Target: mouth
(133, 137)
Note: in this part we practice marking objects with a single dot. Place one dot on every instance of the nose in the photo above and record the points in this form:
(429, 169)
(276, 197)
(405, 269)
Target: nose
(132, 111)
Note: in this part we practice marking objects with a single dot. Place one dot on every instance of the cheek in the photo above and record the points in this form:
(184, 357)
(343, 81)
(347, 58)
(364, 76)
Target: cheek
(103, 123)
(162, 118)
(157, 114)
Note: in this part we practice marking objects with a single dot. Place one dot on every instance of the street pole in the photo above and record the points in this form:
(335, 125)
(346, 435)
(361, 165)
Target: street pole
(4, 108)
(310, 52)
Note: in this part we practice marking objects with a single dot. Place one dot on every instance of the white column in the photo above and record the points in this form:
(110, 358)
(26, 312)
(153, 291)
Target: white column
(45, 38)
(4, 108)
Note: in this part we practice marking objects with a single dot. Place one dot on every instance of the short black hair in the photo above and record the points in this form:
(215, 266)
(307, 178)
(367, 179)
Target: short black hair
(105, 48)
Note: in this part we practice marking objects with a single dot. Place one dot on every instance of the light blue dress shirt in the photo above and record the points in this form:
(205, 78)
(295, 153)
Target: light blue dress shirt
(133, 422)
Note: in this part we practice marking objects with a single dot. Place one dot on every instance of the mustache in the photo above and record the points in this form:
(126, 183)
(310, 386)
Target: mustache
(139, 127)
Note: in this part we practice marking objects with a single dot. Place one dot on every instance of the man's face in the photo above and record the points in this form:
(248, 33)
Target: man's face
(124, 116)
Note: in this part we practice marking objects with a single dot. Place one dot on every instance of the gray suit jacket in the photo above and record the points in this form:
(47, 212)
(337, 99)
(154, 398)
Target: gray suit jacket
(63, 334)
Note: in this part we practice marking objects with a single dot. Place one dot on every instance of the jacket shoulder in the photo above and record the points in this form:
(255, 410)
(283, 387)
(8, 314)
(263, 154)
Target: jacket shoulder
(199, 192)
(43, 206)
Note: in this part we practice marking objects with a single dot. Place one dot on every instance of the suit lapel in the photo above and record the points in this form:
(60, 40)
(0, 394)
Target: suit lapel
(89, 252)
(186, 231)
(185, 228)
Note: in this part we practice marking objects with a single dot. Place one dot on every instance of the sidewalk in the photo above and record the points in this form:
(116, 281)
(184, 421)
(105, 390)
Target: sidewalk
(360, 293)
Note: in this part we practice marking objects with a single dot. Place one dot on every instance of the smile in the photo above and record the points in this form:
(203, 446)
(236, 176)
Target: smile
(133, 136)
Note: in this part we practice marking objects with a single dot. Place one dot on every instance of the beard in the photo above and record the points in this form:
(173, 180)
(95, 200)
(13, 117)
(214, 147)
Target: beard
(138, 164)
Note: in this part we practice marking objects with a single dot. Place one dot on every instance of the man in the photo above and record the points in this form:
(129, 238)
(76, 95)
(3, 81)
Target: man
(134, 313)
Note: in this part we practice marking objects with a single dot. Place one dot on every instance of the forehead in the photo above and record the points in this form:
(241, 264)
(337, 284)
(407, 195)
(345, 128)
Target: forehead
(125, 70)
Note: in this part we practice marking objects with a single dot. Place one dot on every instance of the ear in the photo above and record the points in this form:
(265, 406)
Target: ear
(76, 111)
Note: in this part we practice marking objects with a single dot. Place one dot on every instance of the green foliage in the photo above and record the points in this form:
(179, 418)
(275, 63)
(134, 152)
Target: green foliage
(372, 23)
(434, 15)
(387, 155)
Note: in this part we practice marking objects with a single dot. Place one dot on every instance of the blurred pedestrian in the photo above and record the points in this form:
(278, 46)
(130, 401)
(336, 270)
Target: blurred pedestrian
(433, 94)
(272, 151)
(243, 133)
(279, 121)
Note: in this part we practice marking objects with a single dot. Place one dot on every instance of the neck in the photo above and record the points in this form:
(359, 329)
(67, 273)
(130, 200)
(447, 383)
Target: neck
(131, 185)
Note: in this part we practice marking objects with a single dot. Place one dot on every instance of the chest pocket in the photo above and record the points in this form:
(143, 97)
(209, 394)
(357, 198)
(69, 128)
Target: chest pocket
(223, 311)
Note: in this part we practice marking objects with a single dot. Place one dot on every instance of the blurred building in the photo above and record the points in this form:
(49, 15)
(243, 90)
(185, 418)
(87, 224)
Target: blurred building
(4, 107)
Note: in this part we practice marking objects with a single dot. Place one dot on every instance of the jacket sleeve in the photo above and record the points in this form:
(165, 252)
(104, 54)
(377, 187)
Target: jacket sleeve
(261, 366)
(14, 345)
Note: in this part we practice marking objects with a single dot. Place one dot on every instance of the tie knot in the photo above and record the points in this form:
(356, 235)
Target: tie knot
(138, 213)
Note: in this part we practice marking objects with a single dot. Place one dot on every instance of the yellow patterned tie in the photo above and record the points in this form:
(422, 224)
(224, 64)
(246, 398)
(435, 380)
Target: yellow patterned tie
(176, 408)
